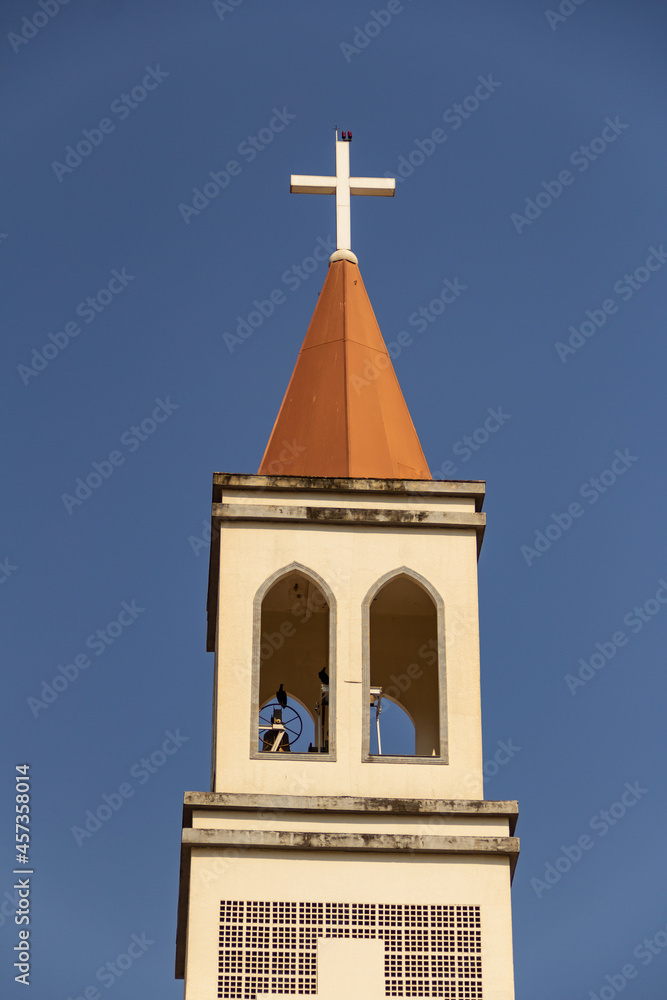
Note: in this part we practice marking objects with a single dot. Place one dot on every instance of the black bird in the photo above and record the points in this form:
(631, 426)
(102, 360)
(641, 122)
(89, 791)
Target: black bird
(323, 675)
(281, 697)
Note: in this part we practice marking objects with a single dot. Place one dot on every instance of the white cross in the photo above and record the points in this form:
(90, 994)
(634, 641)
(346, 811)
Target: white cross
(347, 969)
(342, 185)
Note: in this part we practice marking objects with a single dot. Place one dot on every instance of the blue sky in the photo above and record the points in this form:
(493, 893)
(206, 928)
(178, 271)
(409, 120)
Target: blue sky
(571, 132)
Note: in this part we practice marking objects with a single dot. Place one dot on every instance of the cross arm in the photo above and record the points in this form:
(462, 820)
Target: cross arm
(302, 184)
(343, 186)
(383, 186)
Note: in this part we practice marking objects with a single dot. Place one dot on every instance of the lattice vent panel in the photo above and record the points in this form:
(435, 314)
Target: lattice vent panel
(271, 947)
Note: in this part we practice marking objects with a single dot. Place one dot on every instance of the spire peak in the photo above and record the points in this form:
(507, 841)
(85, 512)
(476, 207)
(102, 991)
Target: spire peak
(344, 415)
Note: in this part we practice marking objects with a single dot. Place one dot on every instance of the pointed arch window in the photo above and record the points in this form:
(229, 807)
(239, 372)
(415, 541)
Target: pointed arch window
(293, 670)
(405, 692)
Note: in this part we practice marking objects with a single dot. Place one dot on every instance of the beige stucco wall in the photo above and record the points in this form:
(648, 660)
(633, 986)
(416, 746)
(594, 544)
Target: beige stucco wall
(265, 532)
(331, 822)
(350, 559)
(351, 878)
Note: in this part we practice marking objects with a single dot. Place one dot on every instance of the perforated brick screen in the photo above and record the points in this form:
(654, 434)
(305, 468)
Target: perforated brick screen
(271, 947)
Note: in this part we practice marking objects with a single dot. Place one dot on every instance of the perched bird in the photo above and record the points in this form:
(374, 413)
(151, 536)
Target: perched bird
(323, 675)
(281, 697)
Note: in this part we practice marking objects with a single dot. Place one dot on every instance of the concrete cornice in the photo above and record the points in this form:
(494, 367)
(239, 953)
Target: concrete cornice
(388, 843)
(228, 481)
(389, 517)
(322, 804)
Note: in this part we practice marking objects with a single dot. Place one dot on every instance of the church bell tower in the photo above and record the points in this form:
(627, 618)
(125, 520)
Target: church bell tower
(345, 849)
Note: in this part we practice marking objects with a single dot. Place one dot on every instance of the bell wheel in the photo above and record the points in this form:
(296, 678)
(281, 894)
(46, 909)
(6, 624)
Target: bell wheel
(276, 722)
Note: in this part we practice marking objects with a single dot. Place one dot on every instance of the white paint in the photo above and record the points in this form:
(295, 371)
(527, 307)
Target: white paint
(343, 255)
(342, 185)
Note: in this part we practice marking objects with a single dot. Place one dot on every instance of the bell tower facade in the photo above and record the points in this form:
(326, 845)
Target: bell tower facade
(345, 844)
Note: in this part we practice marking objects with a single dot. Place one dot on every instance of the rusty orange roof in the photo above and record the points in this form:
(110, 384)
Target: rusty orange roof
(343, 414)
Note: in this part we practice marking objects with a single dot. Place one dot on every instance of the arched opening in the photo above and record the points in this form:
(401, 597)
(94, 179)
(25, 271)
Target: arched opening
(294, 692)
(392, 729)
(404, 669)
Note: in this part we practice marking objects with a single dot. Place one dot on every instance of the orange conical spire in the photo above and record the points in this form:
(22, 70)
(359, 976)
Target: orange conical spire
(343, 414)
